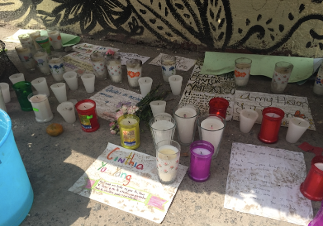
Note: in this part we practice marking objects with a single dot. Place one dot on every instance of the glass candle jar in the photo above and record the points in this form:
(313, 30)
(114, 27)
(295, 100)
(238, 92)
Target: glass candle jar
(168, 65)
(98, 63)
(283, 71)
(26, 57)
(318, 84)
(113, 64)
(218, 106)
(242, 71)
(129, 131)
(134, 70)
(86, 110)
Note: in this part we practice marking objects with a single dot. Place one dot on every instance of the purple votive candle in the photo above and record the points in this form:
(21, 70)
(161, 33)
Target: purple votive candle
(201, 157)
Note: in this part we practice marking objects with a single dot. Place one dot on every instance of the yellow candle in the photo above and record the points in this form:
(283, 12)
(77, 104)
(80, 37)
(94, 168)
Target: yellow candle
(129, 131)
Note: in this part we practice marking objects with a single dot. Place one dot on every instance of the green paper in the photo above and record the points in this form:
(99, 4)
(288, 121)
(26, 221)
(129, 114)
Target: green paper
(219, 63)
(67, 39)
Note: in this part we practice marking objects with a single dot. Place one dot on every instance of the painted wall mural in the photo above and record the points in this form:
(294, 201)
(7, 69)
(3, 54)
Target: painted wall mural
(257, 26)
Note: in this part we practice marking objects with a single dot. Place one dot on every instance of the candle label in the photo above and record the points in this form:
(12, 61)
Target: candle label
(114, 70)
(85, 121)
(169, 70)
(99, 67)
(133, 74)
(167, 166)
(129, 137)
(281, 78)
(57, 69)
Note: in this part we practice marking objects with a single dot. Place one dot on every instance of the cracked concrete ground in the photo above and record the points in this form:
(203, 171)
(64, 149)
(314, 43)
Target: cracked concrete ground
(53, 164)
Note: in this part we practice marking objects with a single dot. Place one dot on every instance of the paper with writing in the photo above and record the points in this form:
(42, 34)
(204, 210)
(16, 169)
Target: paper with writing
(108, 98)
(127, 180)
(182, 63)
(200, 89)
(265, 181)
(292, 106)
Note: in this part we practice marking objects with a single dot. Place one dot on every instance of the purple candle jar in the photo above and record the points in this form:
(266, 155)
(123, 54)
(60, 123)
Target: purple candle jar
(201, 156)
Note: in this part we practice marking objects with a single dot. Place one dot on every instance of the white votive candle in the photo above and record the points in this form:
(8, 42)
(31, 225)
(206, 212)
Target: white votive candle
(248, 118)
(167, 155)
(145, 85)
(5, 92)
(296, 128)
(40, 84)
(71, 79)
(185, 119)
(273, 115)
(85, 106)
(17, 78)
(128, 121)
(157, 106)
(175, 82)
(88, 81)
(2, 103)
(66, 109)
(212, 129)
(41, 107)
(59, 90)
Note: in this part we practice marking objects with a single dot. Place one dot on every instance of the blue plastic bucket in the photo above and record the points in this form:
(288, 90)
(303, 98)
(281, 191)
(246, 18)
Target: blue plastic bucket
(16, 194)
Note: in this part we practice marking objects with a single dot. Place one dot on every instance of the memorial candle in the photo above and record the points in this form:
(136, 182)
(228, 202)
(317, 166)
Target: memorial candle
(270, 124)
(18, 77)
(59, 90)
(41, 107)
(5, 92)
(41, 86)
(129, 131)
(186, 123)
(200, 163)
(145, 85)
(248, 118)
(86, 110)
(66, 109)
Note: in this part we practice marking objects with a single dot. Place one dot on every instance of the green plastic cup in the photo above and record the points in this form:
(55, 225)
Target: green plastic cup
(43, 41)
(23, 89)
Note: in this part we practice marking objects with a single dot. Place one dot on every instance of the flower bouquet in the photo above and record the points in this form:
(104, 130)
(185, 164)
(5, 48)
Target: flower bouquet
(142, 109)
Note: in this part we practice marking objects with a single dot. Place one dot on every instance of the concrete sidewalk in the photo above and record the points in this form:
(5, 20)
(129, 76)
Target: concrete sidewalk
(54, 164)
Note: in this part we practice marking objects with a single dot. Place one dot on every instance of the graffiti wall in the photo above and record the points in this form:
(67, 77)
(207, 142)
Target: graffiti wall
(256, 26)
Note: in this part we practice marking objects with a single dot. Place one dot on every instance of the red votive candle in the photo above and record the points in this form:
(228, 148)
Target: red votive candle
(87, 115)
(312, 187)
(270, 125)
(201, 157)
(218, 106)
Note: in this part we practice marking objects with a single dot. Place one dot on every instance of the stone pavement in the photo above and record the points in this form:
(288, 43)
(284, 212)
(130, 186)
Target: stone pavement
(54, 164)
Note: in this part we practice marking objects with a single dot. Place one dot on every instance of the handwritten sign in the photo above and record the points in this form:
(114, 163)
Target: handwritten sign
(182, 63)
(128, 180)
(265, 181)
(292, 106)
(201, 88)
(128, 56)
(88, 49)
(108, 98)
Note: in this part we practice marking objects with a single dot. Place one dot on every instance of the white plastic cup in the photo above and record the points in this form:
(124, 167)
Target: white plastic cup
(40, 84)
(145, 85)
(59, 90)
(18, 77)
(67, 111)
(157, 106)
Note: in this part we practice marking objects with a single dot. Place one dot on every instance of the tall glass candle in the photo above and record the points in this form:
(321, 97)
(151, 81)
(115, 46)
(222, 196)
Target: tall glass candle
(296, 128)
(27, 42)
(242, 71)
(129, 131)
(71, 79)
(66, 110)
(145, 85)
(167, 160)
(33, 36)
(41, 57)
(201, 158)
(86, 110)
(186, 117)
(211, 129)
(23, 89)
(18, 77)
(40, 84)
(2, 103)
(134, 71)
(218, 106)
(5, 92)
(55, 39)
(59, 90)
(270, 125)
(26, 58)
(99, 68)
(162, 127)
(283, 71)
(57, 69)
(168, 65)
(113, 64)
(43, 41)
(41, 107)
